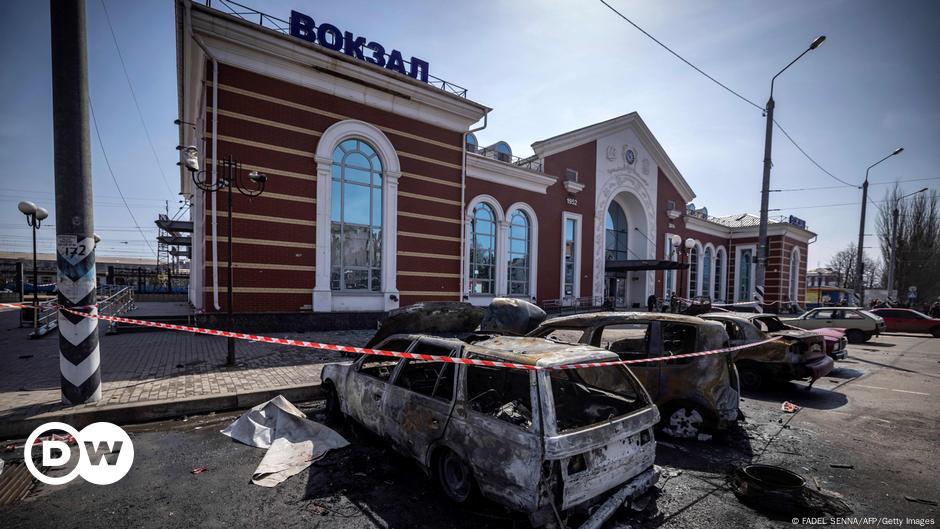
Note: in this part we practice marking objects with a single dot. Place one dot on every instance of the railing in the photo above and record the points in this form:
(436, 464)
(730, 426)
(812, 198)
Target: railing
(47, 320)
(283, 26)
(532, 163)
(572, 304)
(118, 301)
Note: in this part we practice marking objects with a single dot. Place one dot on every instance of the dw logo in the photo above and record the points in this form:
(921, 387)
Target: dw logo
(105, 453)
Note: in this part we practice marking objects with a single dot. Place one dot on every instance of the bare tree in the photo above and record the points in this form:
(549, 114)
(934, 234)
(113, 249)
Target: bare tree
(918, 246)
(843, 264)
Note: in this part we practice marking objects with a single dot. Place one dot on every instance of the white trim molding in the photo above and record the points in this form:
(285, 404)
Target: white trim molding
(502, 173)
(722, 270)
(576, 287)
(324, 298)
(533, 246)
(499, 280)
(738, 249)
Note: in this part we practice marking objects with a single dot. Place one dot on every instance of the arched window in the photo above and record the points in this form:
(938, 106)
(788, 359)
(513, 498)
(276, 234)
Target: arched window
(707, 272)
(719, 293)
(795, 274)
(483, 250)
(744, 275)
(472, 142)
(519, 253)
(693, 271)
(356, 218)
(616, 224)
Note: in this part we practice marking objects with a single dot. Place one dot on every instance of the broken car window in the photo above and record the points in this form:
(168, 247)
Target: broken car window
(381, 367)
(501, 393)
(627, 338)
(678, 339)
(433, 379)
(583, 397)
(772, 323)
(565, 335)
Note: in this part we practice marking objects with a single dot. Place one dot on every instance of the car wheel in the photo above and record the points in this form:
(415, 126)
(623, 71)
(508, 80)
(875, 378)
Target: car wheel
(683, 422)
(454, 476)
(855, 336)
(333, 412)
(935, 332)
(750, 378)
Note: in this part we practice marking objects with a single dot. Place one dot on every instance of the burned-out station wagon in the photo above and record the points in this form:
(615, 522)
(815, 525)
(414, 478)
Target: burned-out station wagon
(547, 442)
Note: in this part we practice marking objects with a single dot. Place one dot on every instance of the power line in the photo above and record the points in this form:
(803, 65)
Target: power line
(104, 153)
(681, 58)
(134, 97)
(810, 158)
(841, 187)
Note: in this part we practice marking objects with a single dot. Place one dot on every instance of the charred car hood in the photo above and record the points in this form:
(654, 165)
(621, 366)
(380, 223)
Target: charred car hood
(794, 334)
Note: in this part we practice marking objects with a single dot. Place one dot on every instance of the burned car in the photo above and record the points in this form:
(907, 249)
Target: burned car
(797, 354)
(541, 440)
(692, 393)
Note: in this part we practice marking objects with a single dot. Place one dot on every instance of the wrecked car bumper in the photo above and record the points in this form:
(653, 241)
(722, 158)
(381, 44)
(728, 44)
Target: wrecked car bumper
(817, 368)
(839, 355)
(633, 488)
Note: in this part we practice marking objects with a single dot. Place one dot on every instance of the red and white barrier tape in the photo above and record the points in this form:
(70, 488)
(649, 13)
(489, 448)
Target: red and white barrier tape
(396, 354)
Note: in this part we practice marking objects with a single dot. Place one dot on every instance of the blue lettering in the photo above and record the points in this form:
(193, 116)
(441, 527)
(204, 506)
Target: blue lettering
(353, 47)
(335, 40)
(378, 54)
(419, 69)
(395, 62)
(302, 27)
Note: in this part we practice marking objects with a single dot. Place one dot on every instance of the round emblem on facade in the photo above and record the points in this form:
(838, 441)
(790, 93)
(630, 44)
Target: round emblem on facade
(630, 156)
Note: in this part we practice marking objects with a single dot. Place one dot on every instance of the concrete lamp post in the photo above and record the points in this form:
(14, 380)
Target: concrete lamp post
(34, 217)
(895, 213)
(860, 252)
(765, 184)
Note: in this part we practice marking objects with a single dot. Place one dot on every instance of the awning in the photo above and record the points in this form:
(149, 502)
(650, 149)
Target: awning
(634, 265)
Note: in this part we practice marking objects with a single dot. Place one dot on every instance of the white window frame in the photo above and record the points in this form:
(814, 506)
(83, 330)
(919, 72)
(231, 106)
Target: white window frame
(738, 250)
(793, 291)
(576, 287)
(324, 298)
(502, 236)
(533, 246)
(723, 271)
(708, 290)
(669, 276)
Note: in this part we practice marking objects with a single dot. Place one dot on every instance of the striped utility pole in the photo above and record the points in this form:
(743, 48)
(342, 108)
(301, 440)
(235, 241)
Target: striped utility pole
(79, 358)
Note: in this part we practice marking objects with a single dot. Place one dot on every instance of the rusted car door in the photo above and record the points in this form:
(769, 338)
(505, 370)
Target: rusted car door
(419, 400)
(497, 422)
(633, 340)
(367, 384)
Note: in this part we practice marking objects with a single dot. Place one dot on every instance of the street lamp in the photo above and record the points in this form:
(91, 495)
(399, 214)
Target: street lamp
(894, 240)
(34, 217)
(765, 185)
(861, 231)
(229, 177)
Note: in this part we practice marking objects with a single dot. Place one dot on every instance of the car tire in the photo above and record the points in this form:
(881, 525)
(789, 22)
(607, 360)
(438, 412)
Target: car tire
(454, 476)
(856, 336)
(333, 410)
(935, 332)
(751, 378)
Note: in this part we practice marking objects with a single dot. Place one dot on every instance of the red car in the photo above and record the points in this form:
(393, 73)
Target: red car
(835, 341)
(909, 320)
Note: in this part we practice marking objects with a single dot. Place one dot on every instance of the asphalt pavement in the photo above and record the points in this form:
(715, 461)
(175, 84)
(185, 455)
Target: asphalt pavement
(866, 433)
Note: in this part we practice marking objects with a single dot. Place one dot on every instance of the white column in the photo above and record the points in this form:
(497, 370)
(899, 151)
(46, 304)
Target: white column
(502, 257)
(390, 240)
(322, 294)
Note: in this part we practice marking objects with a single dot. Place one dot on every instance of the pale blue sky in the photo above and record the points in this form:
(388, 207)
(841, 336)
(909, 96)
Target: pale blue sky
(545, 67)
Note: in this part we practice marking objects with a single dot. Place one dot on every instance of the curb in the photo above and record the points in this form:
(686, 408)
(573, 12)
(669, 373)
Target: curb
(158, 409)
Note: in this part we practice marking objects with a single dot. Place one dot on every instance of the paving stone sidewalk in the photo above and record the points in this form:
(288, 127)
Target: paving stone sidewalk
(140, 367)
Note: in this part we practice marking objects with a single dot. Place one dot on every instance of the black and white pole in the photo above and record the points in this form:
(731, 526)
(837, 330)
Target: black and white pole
(79, 358)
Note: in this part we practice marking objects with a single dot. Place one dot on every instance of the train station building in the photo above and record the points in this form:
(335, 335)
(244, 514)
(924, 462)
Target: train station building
(379, 195)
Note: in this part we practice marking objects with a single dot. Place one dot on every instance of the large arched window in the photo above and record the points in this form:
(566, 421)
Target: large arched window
(720, 264)
(520, 235)
(707, 272)
(744, 274)
(356, 218)
(616, 225)
(795, 275)
(693, 271)
(483, 250)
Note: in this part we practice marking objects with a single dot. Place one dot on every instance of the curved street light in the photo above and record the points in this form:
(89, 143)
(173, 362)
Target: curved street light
(34, 217)
(229, 178)
(765, 184)
(860, 251)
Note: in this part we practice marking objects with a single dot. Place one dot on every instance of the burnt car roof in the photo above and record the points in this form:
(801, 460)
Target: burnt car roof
(594, 318)
(740, 315)
(520, 350)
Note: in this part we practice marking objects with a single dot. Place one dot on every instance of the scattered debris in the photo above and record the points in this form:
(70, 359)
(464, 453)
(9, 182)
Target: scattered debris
(920, 500)
(670, 445)
(789, 407)
(841, 465)
(704, 437)
(293, 441)
(199, 470)
(773, 488)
